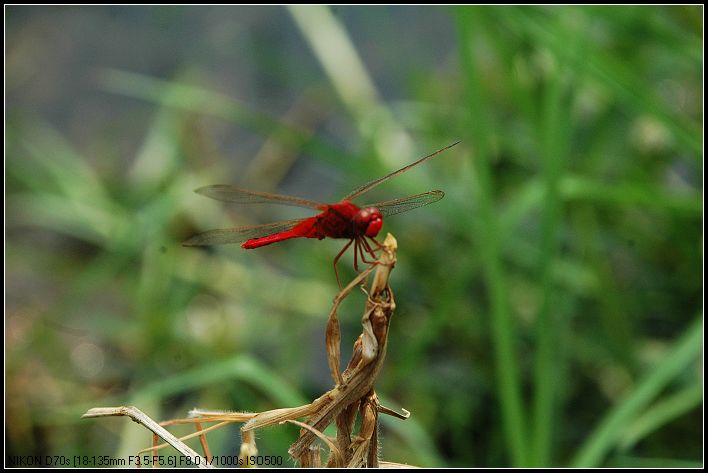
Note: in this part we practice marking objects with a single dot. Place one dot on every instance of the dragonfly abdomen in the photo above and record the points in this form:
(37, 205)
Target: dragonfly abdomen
(305, 229)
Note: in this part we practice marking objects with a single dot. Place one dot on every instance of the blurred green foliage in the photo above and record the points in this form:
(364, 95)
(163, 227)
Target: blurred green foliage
(549, 308)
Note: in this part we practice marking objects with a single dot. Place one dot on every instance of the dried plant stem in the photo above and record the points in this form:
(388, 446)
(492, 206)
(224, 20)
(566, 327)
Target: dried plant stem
(138, 416)
(333, 333)
(352, 395)
(354, 389)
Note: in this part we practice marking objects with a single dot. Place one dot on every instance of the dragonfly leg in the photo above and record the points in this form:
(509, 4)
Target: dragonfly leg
(336, 258)
(357, 250)
(376, 242)
(365, 246)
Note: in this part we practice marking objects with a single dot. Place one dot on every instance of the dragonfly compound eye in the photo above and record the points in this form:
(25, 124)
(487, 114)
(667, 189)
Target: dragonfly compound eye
(375, 222)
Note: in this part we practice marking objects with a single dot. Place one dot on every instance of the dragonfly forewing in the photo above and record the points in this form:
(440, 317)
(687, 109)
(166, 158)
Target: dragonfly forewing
(226, 193)
(370, 185)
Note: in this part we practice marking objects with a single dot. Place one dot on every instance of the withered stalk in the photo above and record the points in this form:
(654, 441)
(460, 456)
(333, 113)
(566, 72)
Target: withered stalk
(352, 394)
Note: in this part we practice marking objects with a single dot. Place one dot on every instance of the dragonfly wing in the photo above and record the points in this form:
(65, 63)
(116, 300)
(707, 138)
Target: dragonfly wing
(227, 193)
(370, 185)
(404, 204)
(223, 236)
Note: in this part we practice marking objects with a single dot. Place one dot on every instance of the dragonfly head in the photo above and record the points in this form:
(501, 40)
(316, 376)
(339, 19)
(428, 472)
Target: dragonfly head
(368, 221)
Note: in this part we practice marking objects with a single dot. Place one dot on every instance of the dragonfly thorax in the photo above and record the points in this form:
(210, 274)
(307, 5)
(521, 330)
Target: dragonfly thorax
(368, 221)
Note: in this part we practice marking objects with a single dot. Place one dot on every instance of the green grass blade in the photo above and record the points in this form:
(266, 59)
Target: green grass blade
(608, 433)
(661, 414)
(554, 141)
(503, 327)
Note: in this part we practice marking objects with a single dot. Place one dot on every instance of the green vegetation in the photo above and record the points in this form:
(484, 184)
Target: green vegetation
(549, 308)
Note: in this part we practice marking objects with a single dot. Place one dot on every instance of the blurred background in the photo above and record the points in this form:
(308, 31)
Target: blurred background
(549, 308)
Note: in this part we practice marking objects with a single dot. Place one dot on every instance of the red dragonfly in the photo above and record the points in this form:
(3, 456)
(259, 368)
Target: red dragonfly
(342, 220)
